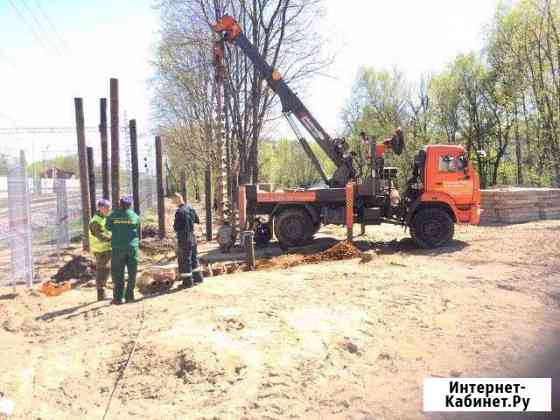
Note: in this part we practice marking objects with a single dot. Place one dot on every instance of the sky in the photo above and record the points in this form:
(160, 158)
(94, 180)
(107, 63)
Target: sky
(54, 50)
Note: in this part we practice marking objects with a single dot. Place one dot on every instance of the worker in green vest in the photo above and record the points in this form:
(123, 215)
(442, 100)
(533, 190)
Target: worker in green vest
(100, 246)
(125, 227)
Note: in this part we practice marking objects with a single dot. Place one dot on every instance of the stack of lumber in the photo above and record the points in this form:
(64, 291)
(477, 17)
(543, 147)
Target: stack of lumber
(519, 205)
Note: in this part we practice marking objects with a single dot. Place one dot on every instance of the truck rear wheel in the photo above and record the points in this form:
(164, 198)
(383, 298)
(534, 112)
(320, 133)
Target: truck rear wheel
(432, 227)
(293, 227)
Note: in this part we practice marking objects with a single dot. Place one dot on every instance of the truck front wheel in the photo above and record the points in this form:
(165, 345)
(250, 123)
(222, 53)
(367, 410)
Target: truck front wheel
(432, 227)
(293, 227)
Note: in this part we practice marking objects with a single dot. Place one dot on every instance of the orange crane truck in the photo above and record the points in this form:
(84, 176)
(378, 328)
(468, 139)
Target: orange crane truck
(443, 190)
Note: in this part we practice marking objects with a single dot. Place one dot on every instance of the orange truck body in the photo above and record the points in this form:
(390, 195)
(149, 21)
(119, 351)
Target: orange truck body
(446, 181)
(459, 189)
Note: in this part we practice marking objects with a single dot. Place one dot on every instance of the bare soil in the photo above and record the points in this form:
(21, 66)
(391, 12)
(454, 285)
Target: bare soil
(344, 339)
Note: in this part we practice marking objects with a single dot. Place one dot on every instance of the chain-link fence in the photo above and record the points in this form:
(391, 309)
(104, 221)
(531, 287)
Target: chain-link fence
(15, 222)
(41, 216)
(148, 192)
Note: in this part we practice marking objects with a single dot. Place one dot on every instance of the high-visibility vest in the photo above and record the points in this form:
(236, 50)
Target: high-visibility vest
(96, 246)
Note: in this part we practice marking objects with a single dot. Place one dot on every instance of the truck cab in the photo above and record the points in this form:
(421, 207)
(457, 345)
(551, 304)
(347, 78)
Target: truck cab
(444, 190)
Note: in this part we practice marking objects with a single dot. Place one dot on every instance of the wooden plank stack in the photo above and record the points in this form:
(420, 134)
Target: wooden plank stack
(519, 205)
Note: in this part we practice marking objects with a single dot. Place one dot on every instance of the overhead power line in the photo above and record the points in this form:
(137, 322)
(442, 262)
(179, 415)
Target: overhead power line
(62, 41)
(41, 27)
(31, 27)
(43, 130)
(53, 130)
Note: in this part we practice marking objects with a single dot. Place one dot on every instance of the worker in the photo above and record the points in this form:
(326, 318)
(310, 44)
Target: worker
(125, 226)
(187, 257)
(100, 246)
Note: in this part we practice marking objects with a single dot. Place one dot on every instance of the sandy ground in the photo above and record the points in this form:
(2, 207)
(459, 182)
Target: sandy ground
(337, 340)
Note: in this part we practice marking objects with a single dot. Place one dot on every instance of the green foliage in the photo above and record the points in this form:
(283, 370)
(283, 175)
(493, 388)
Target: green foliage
(285, 164)
(504, 100)
(65, 162)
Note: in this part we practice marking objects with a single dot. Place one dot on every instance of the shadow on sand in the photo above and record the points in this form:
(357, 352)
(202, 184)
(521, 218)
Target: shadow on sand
(57, 314)
(408, 246)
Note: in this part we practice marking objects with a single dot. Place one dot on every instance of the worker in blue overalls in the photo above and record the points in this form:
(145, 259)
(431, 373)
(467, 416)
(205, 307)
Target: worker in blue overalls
(187, 256)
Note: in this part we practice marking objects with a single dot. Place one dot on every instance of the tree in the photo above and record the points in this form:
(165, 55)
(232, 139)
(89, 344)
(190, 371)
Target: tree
(282, 30)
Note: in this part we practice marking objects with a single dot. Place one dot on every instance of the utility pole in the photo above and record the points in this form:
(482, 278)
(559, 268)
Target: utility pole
(104, 147)
(82, 157)
(159, 181)
(91, 179)
(134, 166)
(115, 184)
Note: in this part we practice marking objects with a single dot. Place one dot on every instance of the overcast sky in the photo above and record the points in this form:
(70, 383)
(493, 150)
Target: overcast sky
(54, 50)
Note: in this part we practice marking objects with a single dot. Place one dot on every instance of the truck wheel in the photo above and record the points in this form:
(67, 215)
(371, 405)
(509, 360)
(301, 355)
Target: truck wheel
(432, 227)
(293, 227)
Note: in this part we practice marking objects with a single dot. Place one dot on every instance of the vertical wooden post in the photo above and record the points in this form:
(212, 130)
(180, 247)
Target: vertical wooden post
(208, 201)
(134, 166)
(183, 186)
(104, 147)
(82, 158)
(249, 243)
(115, 183)
(91, 179)
(160, 192)
(242, 203)
(350, 211)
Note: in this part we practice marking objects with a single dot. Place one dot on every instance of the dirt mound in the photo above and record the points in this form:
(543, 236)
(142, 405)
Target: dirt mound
(150, 230)
(79, 267)
(341, 251)
(153, 246)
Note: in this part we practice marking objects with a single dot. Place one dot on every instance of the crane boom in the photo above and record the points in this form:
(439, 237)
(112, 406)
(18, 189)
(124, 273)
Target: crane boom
(292, 105)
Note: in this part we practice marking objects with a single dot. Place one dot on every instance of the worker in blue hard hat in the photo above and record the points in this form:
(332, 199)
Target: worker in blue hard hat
(100, 246)
(125, 227)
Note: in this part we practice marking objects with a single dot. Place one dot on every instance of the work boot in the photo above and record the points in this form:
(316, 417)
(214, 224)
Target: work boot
(197, 277)
(100, 295)
(187, 280)
(188, 283)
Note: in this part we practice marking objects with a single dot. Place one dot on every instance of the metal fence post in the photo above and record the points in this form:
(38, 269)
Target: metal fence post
(62, 232)
(19, 215)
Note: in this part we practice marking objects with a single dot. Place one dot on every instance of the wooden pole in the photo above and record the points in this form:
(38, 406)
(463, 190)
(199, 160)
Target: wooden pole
(350, 212)
(134, 162)
(208, 201)
(91, 179)
(82, 158)
(248, 241)
(160, 191)
(104, 148)
(183, 186)
(115, 184)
